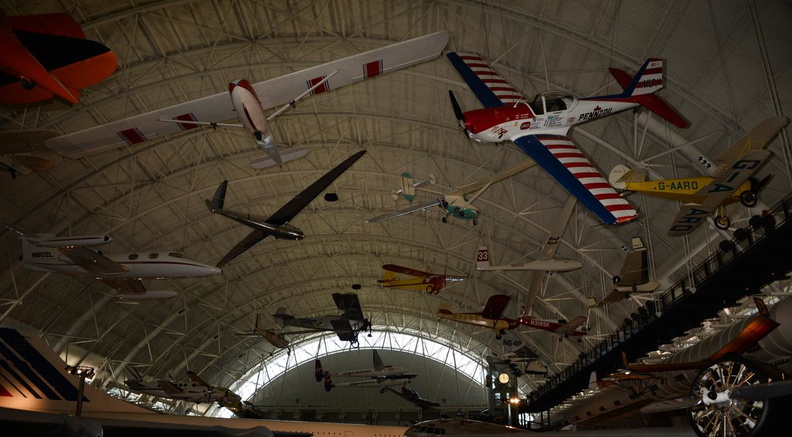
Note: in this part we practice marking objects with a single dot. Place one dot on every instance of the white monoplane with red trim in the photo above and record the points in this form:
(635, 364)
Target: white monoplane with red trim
(248, 103)
(539, 128)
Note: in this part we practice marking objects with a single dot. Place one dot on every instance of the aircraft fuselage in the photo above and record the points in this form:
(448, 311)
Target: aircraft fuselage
(144, 265)
(249, 111)
(506, 123)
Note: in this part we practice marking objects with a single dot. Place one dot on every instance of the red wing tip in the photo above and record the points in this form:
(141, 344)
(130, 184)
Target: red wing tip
(624, 220)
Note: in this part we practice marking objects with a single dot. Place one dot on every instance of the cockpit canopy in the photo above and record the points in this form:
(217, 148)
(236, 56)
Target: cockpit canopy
(551, 101)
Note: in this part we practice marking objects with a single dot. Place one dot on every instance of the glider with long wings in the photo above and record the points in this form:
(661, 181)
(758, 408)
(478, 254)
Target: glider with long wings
(247, 103)
(733, 181)
(540, 128)
(276, 225)
(458, 203)
(378, 376)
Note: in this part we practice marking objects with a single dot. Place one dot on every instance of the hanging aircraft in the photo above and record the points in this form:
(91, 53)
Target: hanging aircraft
(122, 272)
(346, 326)
(517, 365)
(277, 339)
(484, 263)
(277, 224)
(633, 278)
(492, 317)
(732, 182)
(378, 376)
(247, 103)
(47, 55)
(540, 128)
(457, 203)
(432, 283)
(195, 390)
(411, 396)
(409, 184)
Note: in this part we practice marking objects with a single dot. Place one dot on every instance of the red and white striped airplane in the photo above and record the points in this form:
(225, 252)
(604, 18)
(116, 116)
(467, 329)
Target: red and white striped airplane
(248, 102)
(539, 127)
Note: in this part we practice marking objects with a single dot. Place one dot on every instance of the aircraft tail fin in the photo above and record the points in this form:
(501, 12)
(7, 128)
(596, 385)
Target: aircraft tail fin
(621, 176)
(592, 385)
(218, 200)
(319, 372)
(378, 361)
(641, 88)
(482, 258)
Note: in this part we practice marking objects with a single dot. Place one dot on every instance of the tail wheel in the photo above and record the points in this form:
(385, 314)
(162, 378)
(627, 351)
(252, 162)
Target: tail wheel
(717, 414)
(749, 198)
(722, 222)
(430, 289)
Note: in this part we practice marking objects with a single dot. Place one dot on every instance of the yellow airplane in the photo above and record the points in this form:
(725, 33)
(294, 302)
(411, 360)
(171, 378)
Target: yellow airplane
(732, 182)
(432, 283)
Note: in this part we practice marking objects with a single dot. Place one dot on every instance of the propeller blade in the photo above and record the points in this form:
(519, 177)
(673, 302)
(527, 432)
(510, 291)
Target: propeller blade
(457, 110)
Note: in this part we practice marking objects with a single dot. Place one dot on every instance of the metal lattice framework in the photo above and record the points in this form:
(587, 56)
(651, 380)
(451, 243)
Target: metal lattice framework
(728, 67)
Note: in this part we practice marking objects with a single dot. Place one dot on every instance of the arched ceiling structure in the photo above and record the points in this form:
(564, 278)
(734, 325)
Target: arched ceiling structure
(728, 67)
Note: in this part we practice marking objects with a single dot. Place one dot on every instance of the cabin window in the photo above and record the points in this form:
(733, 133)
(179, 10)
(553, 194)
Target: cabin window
(154, 255)
(176, 254)
(133, 256)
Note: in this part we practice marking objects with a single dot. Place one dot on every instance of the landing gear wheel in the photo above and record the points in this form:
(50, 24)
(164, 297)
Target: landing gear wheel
(498, 337)
(740, 234)
(475, 222)
(716, 414)
(749, 198)
(430, 289)
(616, 279)
(444, 219)
(722, 222)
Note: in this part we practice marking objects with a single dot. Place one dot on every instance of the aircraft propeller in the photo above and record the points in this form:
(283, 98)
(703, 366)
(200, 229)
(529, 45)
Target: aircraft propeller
(460, 116)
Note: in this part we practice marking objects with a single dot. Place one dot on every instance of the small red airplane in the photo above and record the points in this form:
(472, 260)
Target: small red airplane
(432, 283)
(539, 127)
(491, 317)
(47, 55)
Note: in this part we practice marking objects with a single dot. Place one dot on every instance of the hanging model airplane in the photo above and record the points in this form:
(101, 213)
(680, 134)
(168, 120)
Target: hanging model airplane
(633, 278)
(432, 283)
(47, 55)
(378, 376)
(411, 396)
(122, 272)
(17, 150)
(540, 128)
(732, 182)
(247, 103)
(492, 317)
(276, 225)
(346, 326)
(456, 203)
(195, 390)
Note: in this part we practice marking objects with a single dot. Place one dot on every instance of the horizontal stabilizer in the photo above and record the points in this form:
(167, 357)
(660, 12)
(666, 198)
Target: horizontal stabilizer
(647, 100)
(286, 156)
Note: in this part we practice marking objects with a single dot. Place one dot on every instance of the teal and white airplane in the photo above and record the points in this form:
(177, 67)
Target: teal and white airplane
(458, 203)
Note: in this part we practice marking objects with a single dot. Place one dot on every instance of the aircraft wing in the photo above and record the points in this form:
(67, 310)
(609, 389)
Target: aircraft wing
(91, 261)
(288, 211)
(495, 305)
(491, 89)
(691, 216)
(170, 388)
(405, 270)
(612, 297)
(409, 210)
(274, 92)
(573, 324)
(756, 139)
(483, 183)
(559, 156)
(349, 304)
(635, 270)
(126, 286)
(343, 329)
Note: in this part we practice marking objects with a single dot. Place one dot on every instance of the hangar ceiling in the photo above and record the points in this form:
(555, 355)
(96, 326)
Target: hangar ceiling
(728, 67)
